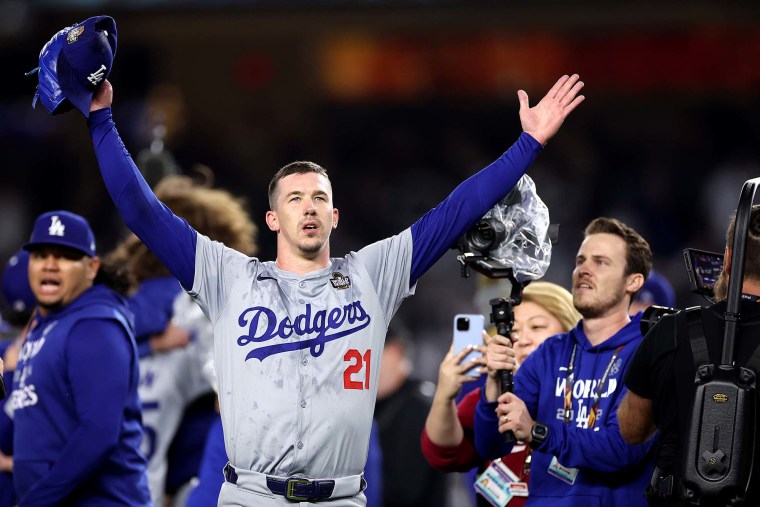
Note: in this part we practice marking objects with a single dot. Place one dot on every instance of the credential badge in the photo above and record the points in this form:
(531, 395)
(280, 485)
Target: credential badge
(340, 281)
(74, 34)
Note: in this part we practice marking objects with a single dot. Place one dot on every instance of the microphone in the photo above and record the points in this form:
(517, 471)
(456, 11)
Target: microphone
(504, 318)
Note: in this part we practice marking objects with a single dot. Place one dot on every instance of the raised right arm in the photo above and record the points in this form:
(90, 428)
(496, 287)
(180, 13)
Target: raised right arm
(169, 237)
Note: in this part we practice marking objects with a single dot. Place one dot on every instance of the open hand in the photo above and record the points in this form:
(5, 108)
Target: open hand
(543, 120)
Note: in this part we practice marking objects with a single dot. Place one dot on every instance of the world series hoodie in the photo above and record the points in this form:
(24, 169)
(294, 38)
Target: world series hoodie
(609, 470)
(76, 410)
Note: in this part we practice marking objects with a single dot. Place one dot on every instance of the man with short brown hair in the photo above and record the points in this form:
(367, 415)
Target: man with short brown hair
(567, 391)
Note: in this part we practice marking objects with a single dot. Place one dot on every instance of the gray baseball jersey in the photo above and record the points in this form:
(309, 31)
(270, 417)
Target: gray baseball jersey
(169, 381)
(297, 357)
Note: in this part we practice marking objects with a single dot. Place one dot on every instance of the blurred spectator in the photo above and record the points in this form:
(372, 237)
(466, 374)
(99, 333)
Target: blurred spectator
(18, 299)
(447, 440)
(17, 305)
(403, 403)
(210, 478)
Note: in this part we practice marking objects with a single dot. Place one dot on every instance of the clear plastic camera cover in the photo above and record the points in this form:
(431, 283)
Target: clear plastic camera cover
(527, 247)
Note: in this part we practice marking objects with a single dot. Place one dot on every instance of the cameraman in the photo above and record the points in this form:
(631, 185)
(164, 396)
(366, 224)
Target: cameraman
(567, 391)
(661, 376)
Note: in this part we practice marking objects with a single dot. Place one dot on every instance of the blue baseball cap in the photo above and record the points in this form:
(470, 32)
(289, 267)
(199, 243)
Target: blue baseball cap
(17, 294)
(62, 228)
(657, 290)
(74, 63)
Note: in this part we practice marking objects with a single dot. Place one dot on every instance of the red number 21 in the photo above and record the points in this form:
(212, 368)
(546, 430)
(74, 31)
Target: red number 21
(357, 364)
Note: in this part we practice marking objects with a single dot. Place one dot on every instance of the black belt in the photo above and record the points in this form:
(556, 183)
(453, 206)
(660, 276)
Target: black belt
(296, 489)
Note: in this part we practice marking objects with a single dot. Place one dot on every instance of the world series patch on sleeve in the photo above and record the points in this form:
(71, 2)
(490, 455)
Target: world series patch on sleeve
(498, 484)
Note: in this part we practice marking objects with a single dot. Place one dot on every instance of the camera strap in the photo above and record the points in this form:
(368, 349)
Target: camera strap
(699, 342)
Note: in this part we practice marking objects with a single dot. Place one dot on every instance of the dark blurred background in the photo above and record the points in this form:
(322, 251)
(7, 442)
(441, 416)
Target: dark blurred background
(400, 101)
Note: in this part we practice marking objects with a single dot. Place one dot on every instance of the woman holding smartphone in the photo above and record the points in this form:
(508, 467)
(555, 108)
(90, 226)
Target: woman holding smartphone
(447, 439)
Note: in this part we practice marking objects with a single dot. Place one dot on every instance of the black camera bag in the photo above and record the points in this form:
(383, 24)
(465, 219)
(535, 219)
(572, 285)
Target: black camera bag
(720, 443)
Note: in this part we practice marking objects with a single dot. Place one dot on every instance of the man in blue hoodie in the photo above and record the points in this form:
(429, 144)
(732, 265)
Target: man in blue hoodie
(75, 404)
(567, 392)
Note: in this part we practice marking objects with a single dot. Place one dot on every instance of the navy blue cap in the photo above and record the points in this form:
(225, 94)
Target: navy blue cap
(74, 63)
(657, 290)
(17, 293)
(62, 228)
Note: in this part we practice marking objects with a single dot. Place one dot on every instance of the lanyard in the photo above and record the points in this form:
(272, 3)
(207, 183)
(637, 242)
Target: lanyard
(570, 378)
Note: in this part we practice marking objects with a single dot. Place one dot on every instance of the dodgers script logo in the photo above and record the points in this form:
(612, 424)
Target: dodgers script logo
(263, 326)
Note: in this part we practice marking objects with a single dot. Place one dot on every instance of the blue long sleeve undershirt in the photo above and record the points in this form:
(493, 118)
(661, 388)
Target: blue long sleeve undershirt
(173, 241)
(99, 375)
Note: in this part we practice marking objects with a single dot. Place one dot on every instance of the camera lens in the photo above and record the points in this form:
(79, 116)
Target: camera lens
(463, 324)
(485, 235)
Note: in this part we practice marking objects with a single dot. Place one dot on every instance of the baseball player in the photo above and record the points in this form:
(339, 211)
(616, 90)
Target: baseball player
(75, 405)
(298, 340)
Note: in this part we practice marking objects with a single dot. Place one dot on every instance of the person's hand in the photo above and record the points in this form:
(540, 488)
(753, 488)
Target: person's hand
(499, 356)
(543, 120)
(173, 337)
(514, 417)
(452, 373)
(103, 97)
(6, 463)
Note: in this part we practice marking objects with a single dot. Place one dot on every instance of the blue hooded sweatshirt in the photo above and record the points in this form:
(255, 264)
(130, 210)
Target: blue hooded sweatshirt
(610, 471)
(76, 410)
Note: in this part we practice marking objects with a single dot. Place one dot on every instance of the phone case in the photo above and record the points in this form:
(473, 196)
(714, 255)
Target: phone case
(473, 335)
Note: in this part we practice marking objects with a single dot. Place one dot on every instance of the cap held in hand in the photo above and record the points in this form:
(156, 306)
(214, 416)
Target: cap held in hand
(74, 63)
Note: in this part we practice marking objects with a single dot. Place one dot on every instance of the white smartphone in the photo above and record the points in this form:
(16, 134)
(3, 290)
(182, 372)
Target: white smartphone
(468, 330)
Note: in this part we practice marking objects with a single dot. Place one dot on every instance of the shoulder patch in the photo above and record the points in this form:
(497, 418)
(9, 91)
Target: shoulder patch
(74, 34)
(340, 281)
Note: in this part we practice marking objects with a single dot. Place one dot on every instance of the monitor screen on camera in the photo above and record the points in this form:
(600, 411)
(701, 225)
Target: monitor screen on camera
(704, 268)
